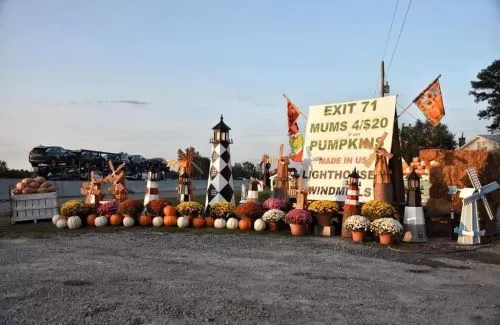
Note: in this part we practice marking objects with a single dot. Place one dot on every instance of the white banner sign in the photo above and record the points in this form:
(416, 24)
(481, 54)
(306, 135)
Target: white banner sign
(340, 137)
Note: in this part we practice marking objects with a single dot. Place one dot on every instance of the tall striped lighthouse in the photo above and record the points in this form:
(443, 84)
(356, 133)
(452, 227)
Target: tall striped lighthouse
(151, 186)
(220, 180)
(351, 204)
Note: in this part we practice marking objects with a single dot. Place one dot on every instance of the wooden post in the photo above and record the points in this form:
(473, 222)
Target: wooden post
(395, 164)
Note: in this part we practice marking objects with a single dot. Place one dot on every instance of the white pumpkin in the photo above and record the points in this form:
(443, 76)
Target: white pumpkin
(220, 223)
(182, 222)
(61, 223)
(55, 218)
(101, 221)
(259, 225)
(232, 223)
(157, 221)
(128, 222)
(74, 222)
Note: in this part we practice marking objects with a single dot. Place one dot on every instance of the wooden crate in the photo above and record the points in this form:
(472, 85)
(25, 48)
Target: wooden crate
(33, 206)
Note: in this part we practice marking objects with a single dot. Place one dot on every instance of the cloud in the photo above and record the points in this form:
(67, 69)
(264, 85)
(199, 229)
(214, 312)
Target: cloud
(122, 101)
(132, 102)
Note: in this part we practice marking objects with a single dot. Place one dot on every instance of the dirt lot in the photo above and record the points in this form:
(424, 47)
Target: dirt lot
(162, 276)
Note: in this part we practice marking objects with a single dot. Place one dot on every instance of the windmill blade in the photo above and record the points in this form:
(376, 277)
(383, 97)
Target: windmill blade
(370, 159)
(171, 163)
(120, 167)
(193, 164)
(490, 187)
(181, 155)
(111, 167)
(380, 142)
(474, 178)
(488, 209)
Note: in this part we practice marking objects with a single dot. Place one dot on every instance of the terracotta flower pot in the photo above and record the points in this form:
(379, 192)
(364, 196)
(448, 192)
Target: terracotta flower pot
(385, 239)
(358, 236)
(298, 230)
(324, 219)
(273, 226)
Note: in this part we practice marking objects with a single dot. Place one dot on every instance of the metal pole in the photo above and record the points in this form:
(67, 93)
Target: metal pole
(382, 78)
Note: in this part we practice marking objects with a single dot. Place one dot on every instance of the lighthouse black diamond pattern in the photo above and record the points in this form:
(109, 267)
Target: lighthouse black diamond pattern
(226, 173)
(225, 156)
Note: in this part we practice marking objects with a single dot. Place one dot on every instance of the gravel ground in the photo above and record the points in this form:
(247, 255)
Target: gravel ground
(146, 276)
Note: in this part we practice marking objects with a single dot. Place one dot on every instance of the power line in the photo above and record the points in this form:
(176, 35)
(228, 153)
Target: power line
(387, 43)
(399, 36)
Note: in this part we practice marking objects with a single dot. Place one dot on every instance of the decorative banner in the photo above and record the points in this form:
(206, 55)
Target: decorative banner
(340, 137)
(430, 102)
(294, 136)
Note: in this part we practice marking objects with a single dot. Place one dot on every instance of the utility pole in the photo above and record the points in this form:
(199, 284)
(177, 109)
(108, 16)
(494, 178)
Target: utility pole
(395, 164)
(382, 79)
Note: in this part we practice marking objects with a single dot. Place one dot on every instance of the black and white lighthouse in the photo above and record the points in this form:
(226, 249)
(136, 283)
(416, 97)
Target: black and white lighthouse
(220, 180)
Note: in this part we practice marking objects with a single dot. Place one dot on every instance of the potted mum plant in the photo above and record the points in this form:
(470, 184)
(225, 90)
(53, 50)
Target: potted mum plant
(387, 229)
(377, 209)
(274, 203)
(273, 218)
(155, 207)
(357, 225)
(323, 211)
(130, 208)
(221, 209)
(248, 212)
(190, 208)
(298, 220)
(108, 208)
(75, 208)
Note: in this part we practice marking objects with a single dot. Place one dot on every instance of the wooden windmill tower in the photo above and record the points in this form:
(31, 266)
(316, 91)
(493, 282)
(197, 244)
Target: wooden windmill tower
(468, 231)
(382, 183)
(186, 165)
(282, 180)
(301, 195)
(92, 190)
(117, 178)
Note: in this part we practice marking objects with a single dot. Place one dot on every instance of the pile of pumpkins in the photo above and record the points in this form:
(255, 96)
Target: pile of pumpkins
(168, 220)
(33, 185)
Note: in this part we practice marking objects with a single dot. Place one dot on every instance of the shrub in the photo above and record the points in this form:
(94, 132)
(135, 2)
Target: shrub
(323, 206)
(130, 207)
(357, 223)
(386, 225)
(249, 210)
(377, 209)
(274, 203)
(273, 215)
(108, 208)
(75, 208)
(221, 209)
(155, 207)
(191, 208)
(298, 217)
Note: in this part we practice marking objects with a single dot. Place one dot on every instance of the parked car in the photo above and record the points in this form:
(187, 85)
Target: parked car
(52, 156)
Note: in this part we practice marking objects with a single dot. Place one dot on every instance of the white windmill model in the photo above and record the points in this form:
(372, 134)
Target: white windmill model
(468, 231)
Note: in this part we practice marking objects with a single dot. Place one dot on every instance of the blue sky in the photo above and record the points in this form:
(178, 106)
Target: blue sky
(68, 68)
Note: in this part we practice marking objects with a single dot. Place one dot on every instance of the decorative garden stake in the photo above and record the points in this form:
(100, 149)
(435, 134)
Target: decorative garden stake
(414, 222)
(351, 204)
(282, 181)
(468, 231)
(220, 181)
(117, 177)
(301, 195)
(151, 186)
(92, 190)
(382, 183)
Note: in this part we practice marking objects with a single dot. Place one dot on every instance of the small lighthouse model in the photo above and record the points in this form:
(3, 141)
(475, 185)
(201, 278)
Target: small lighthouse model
(151, 186)
(220, 181)
(414, 220)
(351, 205)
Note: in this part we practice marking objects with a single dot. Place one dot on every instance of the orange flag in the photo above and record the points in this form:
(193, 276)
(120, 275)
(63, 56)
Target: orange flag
(430, 102)
(294, 137)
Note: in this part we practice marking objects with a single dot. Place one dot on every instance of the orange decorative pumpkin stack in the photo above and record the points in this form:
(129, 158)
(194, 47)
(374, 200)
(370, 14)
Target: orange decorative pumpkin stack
(145, 220)
(170, 218)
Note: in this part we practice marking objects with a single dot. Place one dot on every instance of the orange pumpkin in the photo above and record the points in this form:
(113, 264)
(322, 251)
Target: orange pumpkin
(209, 222)
(169, 210)
(170, 221)
(145, 220)
(91, 220)
(245, 224)
(116, 219)
(198, 222)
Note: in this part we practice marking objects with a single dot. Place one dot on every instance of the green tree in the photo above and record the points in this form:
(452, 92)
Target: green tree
(422, 135)
(237, 171)
(487, 88)
(250, 170)
(3, 166)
